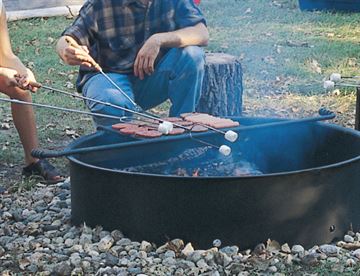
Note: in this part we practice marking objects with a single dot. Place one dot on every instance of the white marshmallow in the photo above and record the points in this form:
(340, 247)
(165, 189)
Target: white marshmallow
(225, 150)
(335, 77)
(164, 129)
(329, 85)
(169, 125)
(231, 136)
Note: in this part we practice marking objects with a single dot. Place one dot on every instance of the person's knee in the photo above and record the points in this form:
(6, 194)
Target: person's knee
(105, 106)
(103, 98)
(195, 57)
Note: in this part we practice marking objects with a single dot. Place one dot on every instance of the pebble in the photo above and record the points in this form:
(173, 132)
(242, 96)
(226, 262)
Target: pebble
(285, 248)
(333, 260)
(195, 256)
(298, 249)
(36, 224)
(230, 250)
(350, 263)
(348, 238)
(329, 249)
(145, 246)
(105, 243)
(356, 253)
(217, 243)
(311, 259)
(188, 249)
(117, 235)
(169, 261)
(111, 260)
(169, 254)
(357, 236)
(177, 244)
(202, 264)
(272, 269)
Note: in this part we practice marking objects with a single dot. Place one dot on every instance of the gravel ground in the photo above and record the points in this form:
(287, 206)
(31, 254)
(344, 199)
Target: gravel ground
(36, 237)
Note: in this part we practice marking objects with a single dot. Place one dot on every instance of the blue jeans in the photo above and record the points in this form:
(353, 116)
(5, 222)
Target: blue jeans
(178, 77)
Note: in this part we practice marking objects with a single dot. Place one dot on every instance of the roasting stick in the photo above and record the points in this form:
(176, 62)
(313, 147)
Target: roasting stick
(141, 114)
(229, 135)
(225, 150)
(98, 67)
(329, 85)
(336, 79)
(62, 109)
(164, 126)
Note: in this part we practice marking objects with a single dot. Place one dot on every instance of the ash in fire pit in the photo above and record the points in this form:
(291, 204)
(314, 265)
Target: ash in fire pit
(201, 161)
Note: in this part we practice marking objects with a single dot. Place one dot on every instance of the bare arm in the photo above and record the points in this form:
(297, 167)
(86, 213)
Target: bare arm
(10, 64)
(197, 35)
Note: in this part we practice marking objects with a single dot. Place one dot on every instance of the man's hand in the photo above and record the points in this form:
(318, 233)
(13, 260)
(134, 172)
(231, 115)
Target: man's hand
(24, 80)
(9, 75)
(73, 53)
(145, 60)
(14, 79)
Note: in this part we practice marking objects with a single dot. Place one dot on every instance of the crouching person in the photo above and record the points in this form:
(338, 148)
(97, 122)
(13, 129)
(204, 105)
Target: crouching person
(148, 48)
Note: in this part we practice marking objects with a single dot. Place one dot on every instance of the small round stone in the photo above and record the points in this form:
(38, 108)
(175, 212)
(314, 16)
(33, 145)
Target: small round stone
(217, 243)
(348, 238)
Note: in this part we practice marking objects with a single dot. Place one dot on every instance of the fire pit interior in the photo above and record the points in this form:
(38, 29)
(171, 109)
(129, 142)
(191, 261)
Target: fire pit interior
(296, 184)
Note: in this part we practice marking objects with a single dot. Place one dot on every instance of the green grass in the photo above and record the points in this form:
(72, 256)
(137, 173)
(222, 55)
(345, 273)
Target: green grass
(260, 32)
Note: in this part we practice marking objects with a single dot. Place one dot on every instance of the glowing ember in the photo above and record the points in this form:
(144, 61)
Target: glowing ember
(200, 162)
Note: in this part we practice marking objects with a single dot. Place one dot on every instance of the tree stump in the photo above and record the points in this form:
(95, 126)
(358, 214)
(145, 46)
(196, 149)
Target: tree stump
(222, 86)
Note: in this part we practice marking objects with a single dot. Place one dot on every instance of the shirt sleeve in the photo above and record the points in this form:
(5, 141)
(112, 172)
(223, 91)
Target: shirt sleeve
(84, 26)
(187, 14)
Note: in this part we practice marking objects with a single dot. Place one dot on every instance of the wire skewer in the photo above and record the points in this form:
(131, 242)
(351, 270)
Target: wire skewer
(225, 150)
(229, 135)
(62, 109)
(101, 71)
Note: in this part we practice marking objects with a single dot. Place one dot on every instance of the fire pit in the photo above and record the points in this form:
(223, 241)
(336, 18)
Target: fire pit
(296, 184)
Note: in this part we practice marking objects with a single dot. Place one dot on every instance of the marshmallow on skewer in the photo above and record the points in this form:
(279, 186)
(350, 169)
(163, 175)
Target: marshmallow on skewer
(169, 125)
(231, 136)
(329, 85)
(165, 127)
(335, 77)
(225, 150)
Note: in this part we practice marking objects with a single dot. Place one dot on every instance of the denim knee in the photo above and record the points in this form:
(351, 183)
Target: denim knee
(195, 57)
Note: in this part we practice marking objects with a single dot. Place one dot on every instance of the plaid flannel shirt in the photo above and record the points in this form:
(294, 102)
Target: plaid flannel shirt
(115, 30)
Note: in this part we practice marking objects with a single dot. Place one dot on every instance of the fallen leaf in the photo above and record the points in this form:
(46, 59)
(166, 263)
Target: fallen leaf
(23, 263)
(69, 85)
(5, 126)
(315, 66)
(352, 62)
(272, 246)
(51, 125)
(248, 10)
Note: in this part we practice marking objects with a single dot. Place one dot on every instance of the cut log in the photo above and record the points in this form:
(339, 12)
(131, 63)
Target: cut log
(222, 86)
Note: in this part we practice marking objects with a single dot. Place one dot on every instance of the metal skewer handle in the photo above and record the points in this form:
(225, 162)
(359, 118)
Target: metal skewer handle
(61, 109)
(98, 67)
